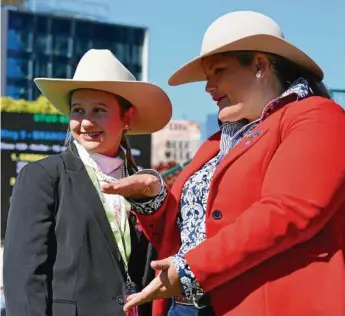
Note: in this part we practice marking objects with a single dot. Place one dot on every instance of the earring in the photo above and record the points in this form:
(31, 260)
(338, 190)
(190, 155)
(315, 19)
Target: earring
(126, 127)
(258, 74)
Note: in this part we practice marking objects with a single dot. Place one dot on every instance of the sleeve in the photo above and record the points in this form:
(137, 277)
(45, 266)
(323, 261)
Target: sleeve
(304, 186)
(190, 285)
(150, 206)
(29, 235)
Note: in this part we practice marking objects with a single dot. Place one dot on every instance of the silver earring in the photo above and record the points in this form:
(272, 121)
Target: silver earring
(258, 74)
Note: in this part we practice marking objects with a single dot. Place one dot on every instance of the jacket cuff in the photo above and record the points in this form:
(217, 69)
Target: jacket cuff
(151, 205)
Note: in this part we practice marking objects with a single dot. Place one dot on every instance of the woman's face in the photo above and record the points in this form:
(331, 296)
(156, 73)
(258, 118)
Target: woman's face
(233, 87)
(96, 121)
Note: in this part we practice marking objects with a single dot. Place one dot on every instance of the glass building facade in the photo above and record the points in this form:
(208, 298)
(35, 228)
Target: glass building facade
(41, 45)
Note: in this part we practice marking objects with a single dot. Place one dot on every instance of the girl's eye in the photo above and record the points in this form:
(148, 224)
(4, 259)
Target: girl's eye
(76, 110)
(99, 110)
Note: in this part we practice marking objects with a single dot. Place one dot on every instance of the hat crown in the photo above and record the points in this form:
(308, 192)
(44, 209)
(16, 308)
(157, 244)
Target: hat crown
(101, 65)
(238, 25)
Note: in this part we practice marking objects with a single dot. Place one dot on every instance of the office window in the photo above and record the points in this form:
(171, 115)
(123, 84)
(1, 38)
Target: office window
(19, 68)
(41, 67)
(42, 36)
(61, 31)
(123, 53)
(137, 51)
(82, 38)
(20, 32)
(60, 67)
(17, 92)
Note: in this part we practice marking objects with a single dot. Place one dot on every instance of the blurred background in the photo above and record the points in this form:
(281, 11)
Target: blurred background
(46, 38)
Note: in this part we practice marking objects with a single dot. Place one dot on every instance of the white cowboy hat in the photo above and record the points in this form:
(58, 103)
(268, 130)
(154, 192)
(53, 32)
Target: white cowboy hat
(101, 70)
(242, 31)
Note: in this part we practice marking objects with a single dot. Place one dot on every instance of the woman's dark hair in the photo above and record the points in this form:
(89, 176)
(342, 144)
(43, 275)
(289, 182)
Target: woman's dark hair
(125, 105)
(285, 70)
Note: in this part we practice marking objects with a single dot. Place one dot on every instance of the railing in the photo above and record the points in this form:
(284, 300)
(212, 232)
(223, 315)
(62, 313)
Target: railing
(179, 167)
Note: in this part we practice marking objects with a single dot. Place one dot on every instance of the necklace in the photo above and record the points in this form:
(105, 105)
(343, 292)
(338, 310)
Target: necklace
(116, 202)
(107, 178)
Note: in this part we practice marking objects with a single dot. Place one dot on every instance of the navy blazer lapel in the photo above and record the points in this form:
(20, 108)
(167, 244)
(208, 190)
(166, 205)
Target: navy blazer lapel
(91, 201)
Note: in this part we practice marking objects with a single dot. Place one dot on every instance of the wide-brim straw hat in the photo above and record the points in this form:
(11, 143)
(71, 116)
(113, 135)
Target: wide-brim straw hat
(101, 70)
(243, 31)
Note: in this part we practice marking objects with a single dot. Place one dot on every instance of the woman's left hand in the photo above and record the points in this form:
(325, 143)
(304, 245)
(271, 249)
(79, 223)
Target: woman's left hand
(164, 285)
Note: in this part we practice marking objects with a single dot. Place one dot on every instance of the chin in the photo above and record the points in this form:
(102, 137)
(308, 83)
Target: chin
(230, 113)
(91, 146)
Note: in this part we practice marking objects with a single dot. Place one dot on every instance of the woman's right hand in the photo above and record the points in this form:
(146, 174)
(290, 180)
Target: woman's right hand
(136, 186)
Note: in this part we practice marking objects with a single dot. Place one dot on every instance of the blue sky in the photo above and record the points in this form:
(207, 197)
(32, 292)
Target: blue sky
(177, 27)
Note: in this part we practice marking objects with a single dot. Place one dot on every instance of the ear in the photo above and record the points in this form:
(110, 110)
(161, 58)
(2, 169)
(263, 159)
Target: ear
(128, 117)
(261, 66)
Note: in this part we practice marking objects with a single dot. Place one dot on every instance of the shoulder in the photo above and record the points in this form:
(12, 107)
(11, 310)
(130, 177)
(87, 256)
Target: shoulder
(313, 109)
(313, 104)
(50, 166)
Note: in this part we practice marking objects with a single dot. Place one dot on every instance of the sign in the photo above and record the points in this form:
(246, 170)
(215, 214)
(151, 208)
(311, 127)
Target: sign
(177, 142)
(30, 137)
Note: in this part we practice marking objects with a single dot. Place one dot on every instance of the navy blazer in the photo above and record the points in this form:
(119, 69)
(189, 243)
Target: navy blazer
(60, 255)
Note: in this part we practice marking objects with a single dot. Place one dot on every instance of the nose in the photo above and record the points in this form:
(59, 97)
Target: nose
(210, 86)
(87, 122)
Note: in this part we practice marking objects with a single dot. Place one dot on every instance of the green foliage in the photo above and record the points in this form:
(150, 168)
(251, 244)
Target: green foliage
(41, 105)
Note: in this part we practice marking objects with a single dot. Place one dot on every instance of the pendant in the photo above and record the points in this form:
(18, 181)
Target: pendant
(129, 289)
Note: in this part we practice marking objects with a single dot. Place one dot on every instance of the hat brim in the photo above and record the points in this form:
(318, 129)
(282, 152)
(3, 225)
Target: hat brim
(193, 71)
(152, 105)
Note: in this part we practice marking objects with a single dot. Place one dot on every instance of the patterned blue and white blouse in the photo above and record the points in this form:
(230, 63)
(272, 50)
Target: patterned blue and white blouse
(192, 213)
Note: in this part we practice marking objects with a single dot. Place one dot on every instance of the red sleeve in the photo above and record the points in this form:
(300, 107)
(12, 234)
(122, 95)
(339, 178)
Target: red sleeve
(303, 187)
(161, 227)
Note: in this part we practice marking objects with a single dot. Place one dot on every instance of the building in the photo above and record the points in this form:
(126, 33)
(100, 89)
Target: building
(37, 44)
(50, 43)
(212, 125)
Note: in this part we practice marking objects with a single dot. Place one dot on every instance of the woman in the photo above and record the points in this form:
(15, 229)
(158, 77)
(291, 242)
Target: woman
(69, 248)
(254, 225)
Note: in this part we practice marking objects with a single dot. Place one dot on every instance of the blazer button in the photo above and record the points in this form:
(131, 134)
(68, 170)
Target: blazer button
(217, 214)
(120, 299)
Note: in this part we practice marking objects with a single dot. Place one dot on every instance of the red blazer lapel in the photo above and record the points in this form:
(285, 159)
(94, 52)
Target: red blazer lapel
(246, 143)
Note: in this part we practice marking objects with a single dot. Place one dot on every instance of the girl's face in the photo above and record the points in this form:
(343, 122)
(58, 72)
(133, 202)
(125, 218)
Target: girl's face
(96, 121)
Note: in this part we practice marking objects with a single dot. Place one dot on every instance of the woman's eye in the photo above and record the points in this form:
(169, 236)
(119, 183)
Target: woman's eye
(217, 70)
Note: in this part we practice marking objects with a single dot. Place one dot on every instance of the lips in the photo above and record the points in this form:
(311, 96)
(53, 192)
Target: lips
(91, 135)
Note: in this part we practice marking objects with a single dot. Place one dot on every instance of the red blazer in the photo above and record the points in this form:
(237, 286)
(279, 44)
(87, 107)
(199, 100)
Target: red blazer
(275, 217)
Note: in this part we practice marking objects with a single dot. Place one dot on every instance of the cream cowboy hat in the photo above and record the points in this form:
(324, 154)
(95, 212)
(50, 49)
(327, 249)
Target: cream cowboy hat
(101, 70)
(243, 31)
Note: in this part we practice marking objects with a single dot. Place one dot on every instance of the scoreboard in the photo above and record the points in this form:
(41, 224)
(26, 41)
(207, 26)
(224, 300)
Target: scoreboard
(27, 137)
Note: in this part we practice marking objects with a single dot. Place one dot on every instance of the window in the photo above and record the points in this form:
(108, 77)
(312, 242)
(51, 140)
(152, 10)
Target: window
(60, 69)
(17, 92)
(42, 37)
(20, 34)
(61, 31)
(41, 67)
(19, 68)
(82, 39)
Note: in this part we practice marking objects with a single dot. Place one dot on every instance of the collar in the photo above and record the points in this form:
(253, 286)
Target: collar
(298, 90)
(105, 163)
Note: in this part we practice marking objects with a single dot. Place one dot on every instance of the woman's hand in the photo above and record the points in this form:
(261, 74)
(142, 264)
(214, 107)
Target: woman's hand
(136, 186)
(165, 285)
